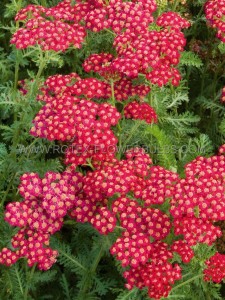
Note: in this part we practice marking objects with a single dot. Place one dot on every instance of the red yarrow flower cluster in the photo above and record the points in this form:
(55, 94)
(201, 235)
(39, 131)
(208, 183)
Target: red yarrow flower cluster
(173, 20)
(198, 200)
(223, 95)
(196, 204)
(183, 249)
(68, 116)
(39, 215)
(196, 231)
(110, 179)
(153, 53)
(132, 249)
(52, 29)
(158, 275)
(221, 150)
(130, 16)
(135, 219)
(140, 111)
(109, 68)
(157, 187)
(215, 270)
(215, 13)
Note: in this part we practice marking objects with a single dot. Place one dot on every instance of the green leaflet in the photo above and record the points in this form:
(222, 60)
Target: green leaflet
(191, 59)
(165, 153)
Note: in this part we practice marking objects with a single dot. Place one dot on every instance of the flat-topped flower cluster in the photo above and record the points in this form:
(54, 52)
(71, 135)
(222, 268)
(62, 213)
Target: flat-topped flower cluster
(215, 14)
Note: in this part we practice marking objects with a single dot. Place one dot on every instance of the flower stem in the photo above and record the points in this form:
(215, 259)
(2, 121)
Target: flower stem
(17, 65)
(31, 273)
(17, 132)
(175, 5)
(110, 31)
(89, 275)
(112, 93)
(187, 281)
(132, 132)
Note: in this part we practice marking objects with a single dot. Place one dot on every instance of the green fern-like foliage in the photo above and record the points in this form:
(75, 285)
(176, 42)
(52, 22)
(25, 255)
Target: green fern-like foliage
(189, 58)
(222, 126)
(181, 123)
(133, 294)
(165, 154)
(221, 48)
(213, 106)
(197, 2)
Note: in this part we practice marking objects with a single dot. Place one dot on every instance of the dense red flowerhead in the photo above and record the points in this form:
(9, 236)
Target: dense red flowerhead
(223, 95)
(172, 20)
(215, 270)
(141, 111)
(215, 12)
(54, 28)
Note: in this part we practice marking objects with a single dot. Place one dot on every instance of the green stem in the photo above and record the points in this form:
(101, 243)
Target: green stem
(44, 3)
(187, 281)
(16, 135)
(110, 31)
(202, 85)
(16, 75)
(7, 190)
(73, 261)
(31, 274)
(96, 261)
(42, 64)
(207, 296)
(112, 92)
(119, 134)
(175, 5)
(133, 130)
(197, 19)
(19, 280)
(119, 227)
(200, 12)
(89, 164)
(19, 5)
(214, 84)
(219, 70)
(32, 91)
(17, 65)
(90, 275)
